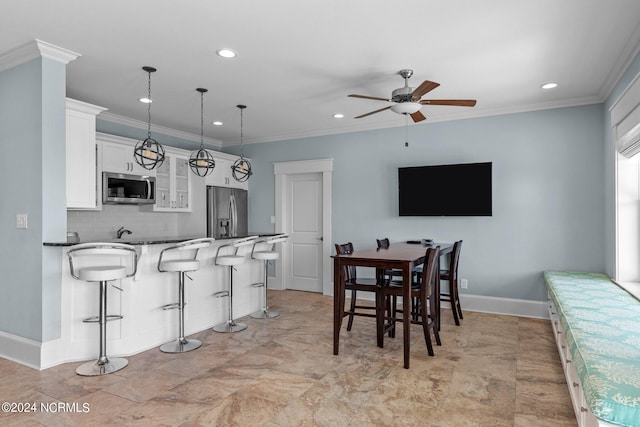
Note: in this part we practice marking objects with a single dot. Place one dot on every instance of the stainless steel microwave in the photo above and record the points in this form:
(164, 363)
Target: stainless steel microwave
(119, 188)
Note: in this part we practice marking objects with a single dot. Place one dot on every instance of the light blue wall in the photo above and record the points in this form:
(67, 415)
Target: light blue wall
(32, 170)
(548, 192)
(609, 165)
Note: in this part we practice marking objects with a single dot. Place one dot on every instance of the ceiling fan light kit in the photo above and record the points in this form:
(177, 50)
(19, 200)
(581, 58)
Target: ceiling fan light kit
(406, 100)
(406, 107)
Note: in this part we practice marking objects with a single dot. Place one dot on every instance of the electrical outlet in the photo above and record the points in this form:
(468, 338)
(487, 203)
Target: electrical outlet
(273, 219)
(21, 220)
(463, 283)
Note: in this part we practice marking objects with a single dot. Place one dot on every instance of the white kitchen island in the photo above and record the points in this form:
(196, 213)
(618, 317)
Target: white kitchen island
(145, 324)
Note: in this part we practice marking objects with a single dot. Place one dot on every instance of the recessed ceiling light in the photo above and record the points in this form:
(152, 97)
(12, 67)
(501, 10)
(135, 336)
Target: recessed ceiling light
(226, 53)
(145, 100)
(338, 116)
(548, 86)
(217, 123)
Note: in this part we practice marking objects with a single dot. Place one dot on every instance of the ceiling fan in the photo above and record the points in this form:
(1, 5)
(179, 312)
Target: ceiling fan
(406, 100)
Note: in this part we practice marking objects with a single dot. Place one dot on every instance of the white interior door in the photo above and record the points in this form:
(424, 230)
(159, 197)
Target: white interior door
(304, 222)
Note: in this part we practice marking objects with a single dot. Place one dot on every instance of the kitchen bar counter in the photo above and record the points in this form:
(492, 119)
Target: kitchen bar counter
(145, 324)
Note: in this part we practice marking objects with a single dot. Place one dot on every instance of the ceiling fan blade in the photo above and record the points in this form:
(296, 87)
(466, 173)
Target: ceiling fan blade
(418, 117)
(425, 86)
(373, 112)
(455, 102)
(368, 97)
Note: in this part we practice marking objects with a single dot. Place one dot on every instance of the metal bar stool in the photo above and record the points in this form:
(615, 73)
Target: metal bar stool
(231, 260)
(181, 264)
(266, 256)
(105, 262)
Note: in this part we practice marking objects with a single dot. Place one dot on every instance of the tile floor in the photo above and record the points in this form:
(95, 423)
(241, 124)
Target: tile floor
(490, 371)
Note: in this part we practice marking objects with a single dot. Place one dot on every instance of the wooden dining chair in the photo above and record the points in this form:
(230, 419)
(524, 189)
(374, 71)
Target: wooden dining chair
(394, 278)
(422, 312)
(355, 284)
(451, 276)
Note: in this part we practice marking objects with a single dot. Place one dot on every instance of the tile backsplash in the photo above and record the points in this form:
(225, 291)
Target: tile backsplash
(103, 225)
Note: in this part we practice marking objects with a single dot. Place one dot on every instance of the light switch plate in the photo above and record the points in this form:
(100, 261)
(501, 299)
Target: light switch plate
(21, 220)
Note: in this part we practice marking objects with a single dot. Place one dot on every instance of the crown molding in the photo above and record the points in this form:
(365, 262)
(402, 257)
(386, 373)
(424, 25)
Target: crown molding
(138, 124)
(84, 107)
(35, 49)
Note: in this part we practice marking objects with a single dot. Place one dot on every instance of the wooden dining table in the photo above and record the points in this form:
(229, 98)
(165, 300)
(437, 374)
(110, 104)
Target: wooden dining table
(401, 256)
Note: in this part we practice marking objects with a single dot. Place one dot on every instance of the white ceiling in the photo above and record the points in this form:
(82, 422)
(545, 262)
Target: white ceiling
(298, 60)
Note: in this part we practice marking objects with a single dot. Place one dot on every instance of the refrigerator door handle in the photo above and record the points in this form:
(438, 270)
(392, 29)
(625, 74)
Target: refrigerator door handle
(233, 215)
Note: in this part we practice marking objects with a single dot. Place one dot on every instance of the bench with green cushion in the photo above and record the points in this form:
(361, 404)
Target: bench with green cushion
(601, 323)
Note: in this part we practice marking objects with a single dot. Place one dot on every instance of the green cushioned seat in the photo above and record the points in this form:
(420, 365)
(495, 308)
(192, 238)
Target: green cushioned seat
(601, 323)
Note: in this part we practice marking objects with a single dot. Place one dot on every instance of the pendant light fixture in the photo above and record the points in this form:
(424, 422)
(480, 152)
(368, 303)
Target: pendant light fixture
(149, 153)
(241, 168)
(201, 161)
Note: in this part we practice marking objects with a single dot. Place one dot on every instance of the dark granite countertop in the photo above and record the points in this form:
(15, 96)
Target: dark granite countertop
(140, 241)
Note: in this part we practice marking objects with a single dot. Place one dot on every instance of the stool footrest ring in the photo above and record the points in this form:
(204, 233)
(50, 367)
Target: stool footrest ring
(96, 319)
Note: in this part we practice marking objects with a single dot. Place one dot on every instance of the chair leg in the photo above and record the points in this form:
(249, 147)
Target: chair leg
(352, 310)
(458, 306)
(426, 326)
(436, 332)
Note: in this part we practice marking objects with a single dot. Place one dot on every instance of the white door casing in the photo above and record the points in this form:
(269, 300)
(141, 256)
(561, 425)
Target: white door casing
(283, 172)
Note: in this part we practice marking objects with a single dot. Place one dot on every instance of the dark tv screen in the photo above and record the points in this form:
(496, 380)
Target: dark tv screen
(445, 190)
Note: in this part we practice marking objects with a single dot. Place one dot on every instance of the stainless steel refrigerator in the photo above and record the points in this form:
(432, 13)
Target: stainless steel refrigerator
(227, 213)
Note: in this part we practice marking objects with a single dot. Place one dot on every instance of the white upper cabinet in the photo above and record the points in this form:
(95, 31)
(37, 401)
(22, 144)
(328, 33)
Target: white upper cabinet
(117, 156)
(81, 164)
(222, 175)
(173, 182)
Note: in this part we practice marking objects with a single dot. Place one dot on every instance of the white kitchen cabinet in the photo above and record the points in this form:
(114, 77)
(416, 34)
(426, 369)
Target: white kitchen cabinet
(118, 157)
(173, 183)
(81, 164)
(222, 175)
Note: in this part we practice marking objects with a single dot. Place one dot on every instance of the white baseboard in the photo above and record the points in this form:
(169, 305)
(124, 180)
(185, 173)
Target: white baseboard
(20, 350)
(494, 305)
(506, 306)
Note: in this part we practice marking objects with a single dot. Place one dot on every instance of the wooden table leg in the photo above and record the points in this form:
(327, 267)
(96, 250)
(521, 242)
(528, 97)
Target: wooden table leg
(380, 309)
(338, 302)
(406, 311)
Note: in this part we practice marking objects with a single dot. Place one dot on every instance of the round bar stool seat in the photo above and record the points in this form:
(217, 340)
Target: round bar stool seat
(181, 266)
(231, 260)
(266, 255)
(81, 268)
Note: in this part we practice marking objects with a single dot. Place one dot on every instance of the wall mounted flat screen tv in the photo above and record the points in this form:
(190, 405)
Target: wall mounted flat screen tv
(445, 190)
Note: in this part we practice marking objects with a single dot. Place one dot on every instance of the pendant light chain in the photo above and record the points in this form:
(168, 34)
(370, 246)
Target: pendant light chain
(201, 120)
(241, 130)
(149, 108)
